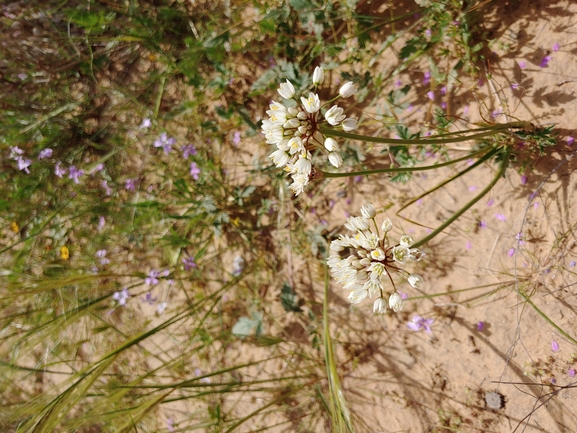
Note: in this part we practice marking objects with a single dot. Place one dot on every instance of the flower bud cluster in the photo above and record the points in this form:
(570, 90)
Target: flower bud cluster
(295, 131)
(372, 258)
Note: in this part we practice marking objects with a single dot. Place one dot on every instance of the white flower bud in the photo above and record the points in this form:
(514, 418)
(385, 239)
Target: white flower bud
(318, 76)
(335, 159)
(368, 211)
(378, 254)
(349, 124)
(396, 302)
(348, 89)
(303, 166)
(406, 241)
(335, 115)
(387, 225)
(380, 306)
(286, 90)
(331, 144)
(415, 280)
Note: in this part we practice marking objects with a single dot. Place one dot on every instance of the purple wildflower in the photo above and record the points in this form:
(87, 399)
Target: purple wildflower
(403, 295)
(572, 264)
(59, 171)
(545, 61)
(187, 150)
(431, 95)
(45, 153)
(107, 190)
(511, 252)
(515, 86)
(554, 346)
(555, 47)
(101, 222)
(194, 170)
(570, 141)
(426, 78)
(236, 138)
(417, 323)
(74, 174)
(149, 299)
(480, 326)
(522, 64)
(101, 254)
(444, 105)
(398, 83)
(523, 180)
(468, 245)
(164, 142)
(443, 90)
(146, 123)
(482, 224)
(473, 188)
(553, 381)
(169, 425)
(189, 263)
(15, 152)
(571, 372)
(410, 108)
(152, 279)
(121, 296)
(500, 217)
(129, 184)
(357, 179)
(465, 110)
(23, 164)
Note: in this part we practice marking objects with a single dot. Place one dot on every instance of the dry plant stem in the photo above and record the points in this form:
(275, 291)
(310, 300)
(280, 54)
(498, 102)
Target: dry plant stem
(423, 142)
(478, 197)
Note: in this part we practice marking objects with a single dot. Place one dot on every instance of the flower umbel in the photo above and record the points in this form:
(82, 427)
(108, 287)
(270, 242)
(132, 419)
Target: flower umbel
(371, 259)
(295, 131)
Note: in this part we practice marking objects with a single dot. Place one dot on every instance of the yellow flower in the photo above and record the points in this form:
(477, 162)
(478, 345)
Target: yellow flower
(14, 227)
(64, 253)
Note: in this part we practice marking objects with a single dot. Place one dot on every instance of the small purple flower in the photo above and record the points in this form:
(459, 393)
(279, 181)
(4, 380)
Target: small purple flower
(23, 164)
(357, 179)
(500, 217)
(572, 264)
(515, 86)
(169, 425)
(187, 150)
(417, 323)
(490, 202)
(555, 47)
(482, 224)
(554, 346)
(524, 180)
(146, 123)
(545, 61)
(398, 83)
(164, 142)
(129, 185)
(189, 263)
(403, 295)
(96, 169)
(45, 153)
(431, 95)
(426, 78)
(194, 170)
(410, 108)
(101, 223)
(480, 326)
(511, 252)
(571, 372)
(152, 279)
(59, 171)
(15, 152)
(75, 174)
(473, 188)
(236, 138)
(101, 254)
(465, 110)
(522, 64)
(161, 307)
(107, 190)
(570, 140)
(468, 245)
(444, 105)
(443, 90)
(149, 299)
(121, 296)
(553, 381)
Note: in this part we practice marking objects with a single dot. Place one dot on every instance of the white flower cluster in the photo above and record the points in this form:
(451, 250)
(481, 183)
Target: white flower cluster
(372, 259)
(295, 130)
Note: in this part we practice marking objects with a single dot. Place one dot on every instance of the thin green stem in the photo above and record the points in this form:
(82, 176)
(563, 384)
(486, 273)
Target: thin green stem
(423, 142)
(404, 169)
(478, 197)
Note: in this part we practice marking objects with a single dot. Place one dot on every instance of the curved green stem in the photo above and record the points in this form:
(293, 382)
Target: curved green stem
(478, 197)
(329, 131)
(402, 169)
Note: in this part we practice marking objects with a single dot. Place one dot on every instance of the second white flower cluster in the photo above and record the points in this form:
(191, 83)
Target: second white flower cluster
(295, 130)
(371, 259)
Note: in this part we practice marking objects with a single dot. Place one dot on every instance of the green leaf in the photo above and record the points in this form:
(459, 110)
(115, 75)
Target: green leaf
(302, 4)
(245, 326)
(289, 299)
